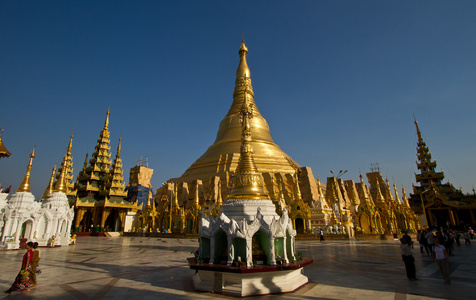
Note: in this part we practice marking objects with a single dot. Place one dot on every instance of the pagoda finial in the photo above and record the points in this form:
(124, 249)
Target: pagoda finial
(60, 185)
(119, 148)
(106, 123)
(243, 70)
(25, 184)
(3, 150)
(417, 128)
(70, 146)
(247, 182)
(86, 162)
(49, 189)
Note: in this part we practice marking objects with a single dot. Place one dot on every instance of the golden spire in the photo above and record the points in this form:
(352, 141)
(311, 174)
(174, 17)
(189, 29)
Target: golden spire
(67, 165)
(106, 123)
(243, 70)
(3, 150)
(196, 199)
(25, 184)
(119, 148)
(247, 182)
(49, 188)
(397, 198)
(60, 185)
(417, 128)
(228, 138)
(70, 144)
(86, 161)
(219, 197)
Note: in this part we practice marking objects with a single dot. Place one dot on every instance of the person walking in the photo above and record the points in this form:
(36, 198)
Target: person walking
(22, 281)
(321, 235)
(408, 259)
(430, 239)
(442, 259)
(34, 264)
(467, 240)
(425, 242)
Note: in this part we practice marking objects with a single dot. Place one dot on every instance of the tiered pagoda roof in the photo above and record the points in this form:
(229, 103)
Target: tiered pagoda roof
(67, 165)
(93, 177)
(3, 150)
(115, 186)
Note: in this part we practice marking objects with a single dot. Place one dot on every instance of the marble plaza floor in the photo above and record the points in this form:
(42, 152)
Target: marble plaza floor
(151, 268)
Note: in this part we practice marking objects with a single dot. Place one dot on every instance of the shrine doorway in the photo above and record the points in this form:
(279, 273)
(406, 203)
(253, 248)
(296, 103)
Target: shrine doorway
(299, 223)
(26, 229)
(87, 222)
(113, 221)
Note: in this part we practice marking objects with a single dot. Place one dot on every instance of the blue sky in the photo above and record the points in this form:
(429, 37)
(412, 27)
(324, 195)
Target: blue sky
(337, 81)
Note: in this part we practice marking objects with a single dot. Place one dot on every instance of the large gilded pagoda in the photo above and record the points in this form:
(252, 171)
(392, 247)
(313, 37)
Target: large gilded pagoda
(337, 207)
(438, 204)
(100, 191)
(207, 181)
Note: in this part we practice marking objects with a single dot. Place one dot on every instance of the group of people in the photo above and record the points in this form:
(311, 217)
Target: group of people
(439, 245)
(446, 237)
(26, 278)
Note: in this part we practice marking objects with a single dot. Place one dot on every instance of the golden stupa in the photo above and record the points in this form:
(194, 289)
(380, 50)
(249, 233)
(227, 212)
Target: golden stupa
(224, 154)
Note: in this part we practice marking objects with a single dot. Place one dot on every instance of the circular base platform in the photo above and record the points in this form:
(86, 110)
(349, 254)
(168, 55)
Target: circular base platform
(243, 281)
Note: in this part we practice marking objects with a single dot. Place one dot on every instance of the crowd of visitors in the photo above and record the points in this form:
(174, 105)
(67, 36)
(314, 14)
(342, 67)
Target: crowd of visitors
(439, 244)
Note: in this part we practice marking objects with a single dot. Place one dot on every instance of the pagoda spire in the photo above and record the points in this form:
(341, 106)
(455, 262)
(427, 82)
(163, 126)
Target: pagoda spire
(115, 185)
(92, 180)
(49, 189)
(3, 150)
(106, 123)
(247, 182)
(67, 166)
(60, 186)
(25, 184)
(397, 198)
(228, 139)
(425, 164)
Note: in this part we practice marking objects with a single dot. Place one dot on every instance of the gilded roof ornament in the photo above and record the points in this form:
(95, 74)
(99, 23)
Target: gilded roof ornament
(49, 189)
(106, 123)
(25, 184)
(247, 182)
(3, 150)
(60, 185)
(243, 69)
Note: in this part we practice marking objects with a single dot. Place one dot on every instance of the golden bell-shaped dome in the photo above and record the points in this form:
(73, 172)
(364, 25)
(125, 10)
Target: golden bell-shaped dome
(224, 154)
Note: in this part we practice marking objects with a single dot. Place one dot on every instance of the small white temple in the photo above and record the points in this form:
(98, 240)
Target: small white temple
(248, 249)
(47, 222)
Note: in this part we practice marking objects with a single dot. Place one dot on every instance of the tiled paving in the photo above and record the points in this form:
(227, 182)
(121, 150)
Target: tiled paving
(151, 268)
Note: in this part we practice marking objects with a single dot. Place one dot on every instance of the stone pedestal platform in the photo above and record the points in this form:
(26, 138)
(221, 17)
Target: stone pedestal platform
(248, 281)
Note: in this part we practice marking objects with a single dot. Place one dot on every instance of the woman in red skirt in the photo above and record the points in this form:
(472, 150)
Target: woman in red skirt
(22, 281)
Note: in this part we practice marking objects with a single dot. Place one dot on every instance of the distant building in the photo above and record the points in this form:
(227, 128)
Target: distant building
(439, 204)
(100, 202)
(48, 222)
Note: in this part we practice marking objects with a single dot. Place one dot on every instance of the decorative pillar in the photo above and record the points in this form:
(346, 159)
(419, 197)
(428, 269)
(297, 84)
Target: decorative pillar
(103, 218)
(272, 254)
(212, 250)
(452, 217)
(473, 219)
(293, 257)
(230, 250)
(285, 247)
(249, 251)
(77, 219)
